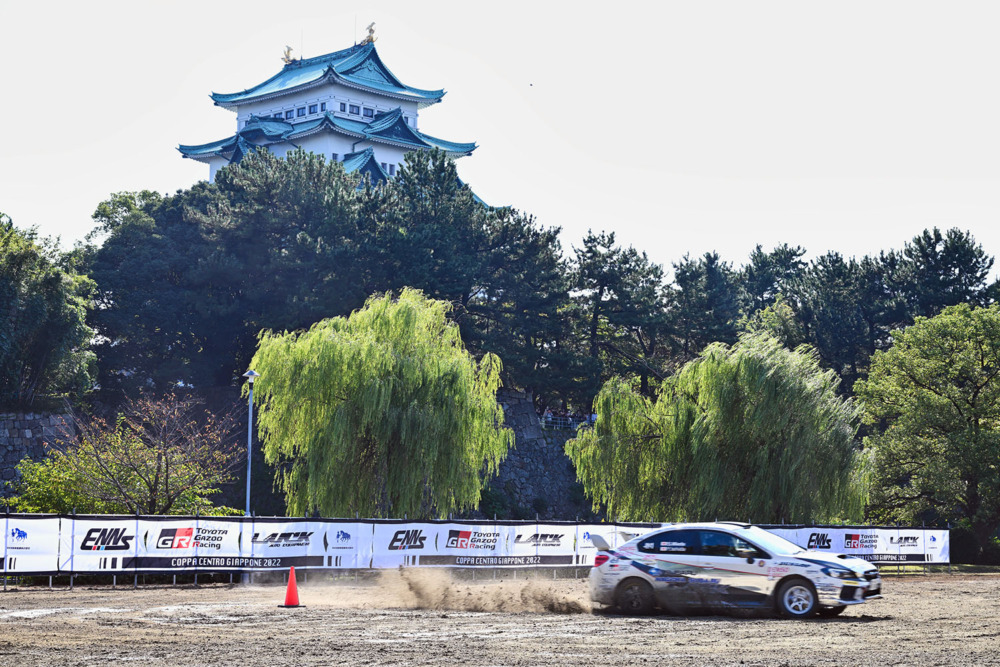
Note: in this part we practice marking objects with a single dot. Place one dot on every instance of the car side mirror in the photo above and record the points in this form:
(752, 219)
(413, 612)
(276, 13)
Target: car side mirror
(750, 560)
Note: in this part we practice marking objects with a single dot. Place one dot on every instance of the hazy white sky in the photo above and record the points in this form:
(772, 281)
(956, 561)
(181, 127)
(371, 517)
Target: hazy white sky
(682, 126)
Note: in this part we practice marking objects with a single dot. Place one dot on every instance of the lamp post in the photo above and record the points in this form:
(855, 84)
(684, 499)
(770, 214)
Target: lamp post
(250, 375)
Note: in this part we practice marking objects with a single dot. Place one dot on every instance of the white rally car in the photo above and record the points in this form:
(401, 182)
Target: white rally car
(699, 565)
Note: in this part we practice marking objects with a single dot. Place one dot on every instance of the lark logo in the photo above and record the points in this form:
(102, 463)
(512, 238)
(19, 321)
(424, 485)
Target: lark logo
(540, 540)
(904, 541)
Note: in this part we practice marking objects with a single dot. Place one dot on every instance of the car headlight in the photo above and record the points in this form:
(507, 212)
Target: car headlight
(839, 573)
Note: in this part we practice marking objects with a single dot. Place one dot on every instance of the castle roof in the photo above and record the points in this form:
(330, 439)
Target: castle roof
(358, 66)
(387, 128)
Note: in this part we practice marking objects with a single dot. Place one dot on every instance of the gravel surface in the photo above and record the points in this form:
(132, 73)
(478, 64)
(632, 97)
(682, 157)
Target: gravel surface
(424, 618)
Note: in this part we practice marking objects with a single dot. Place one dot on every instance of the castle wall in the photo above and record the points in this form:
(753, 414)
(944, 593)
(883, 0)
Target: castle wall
(24, 434)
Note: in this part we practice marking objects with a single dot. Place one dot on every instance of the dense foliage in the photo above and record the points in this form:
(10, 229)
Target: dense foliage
(937, 390)
(752, 431)
(383, 413)
(159, 457)
(44, 340)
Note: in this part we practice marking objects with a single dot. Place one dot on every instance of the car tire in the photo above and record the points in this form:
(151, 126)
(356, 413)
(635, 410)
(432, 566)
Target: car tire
(797, 599)
(634, 596)
(830, 612)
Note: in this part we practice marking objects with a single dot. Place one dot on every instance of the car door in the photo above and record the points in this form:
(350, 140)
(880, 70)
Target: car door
(670, 558)
(738, 568)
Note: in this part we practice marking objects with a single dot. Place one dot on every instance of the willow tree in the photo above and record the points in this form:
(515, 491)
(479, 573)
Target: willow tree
(383, 412)
(752, 431)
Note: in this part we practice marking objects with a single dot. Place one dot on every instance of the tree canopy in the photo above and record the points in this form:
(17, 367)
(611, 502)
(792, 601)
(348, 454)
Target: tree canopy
(936, 391)
(44, 339)
(752, 431)
(159, 457)
(382, 413)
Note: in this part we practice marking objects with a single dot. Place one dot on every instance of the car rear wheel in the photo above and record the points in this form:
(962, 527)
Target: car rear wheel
(634, 596)
(797, 599)
(830, 612)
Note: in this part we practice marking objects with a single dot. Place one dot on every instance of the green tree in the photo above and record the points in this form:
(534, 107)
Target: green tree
(769, 274)
(382, 412)
(939, 270)
(159, 457)
(936, 391)
(622, 303)
(705, 304)
(753, 431)
(44, 344)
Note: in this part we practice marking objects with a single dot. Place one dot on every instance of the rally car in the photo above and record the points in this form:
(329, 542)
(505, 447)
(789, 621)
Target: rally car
(727, 564)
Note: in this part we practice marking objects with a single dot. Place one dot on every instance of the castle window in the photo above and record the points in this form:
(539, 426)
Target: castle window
(392, 170)
(336, 158)
(312, 108)
(406, 119)
(369, 113)
(278, 115)
(355, 110)
(322, 106)
(385, 167)
(289, 114)
(301, 111)
(343, 107)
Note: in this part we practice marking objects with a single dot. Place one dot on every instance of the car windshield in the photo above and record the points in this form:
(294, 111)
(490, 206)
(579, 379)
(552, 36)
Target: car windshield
(770, 541)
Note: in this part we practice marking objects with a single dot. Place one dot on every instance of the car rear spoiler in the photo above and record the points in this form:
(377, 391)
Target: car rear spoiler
(600, 543)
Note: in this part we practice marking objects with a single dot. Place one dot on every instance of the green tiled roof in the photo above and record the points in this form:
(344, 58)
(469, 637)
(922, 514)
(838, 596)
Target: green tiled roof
(358, 66)
(388, 127)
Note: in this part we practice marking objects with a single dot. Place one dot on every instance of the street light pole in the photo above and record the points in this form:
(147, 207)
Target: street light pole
(250, 375)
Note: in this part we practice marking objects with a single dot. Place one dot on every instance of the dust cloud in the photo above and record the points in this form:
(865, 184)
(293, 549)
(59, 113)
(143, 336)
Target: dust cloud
(437, 590)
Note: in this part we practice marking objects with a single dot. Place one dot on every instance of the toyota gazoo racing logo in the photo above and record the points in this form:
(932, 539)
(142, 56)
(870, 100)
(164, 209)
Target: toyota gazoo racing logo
(470, 539)
(18, 535)
(407, 539)
(819, 541)
(186, 538)
(106, 539)
(297, 539)
(540, 540)
(860, 541)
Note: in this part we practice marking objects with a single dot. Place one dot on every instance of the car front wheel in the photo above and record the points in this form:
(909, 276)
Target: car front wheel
(634, 596)
(797, 599)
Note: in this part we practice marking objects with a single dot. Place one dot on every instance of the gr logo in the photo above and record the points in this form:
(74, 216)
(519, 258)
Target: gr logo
(175, 538)
(819, 541)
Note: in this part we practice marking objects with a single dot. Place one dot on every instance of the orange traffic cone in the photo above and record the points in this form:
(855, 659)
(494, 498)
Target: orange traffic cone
(292, 592)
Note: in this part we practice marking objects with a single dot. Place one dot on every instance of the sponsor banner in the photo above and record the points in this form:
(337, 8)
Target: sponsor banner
(347, 545)
(555, 542)
(614, 534)
(31, 545)
(279, 544)
(878, 545)
(402, 544)
(188, 544)
(99, 544)
(470, 545)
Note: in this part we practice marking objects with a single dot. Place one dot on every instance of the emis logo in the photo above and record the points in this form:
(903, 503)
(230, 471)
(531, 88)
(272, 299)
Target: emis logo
(819, 541)
(106, 539)
(407, 539)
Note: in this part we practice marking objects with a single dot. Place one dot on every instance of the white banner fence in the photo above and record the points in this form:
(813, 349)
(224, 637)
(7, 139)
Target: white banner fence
(90, 544)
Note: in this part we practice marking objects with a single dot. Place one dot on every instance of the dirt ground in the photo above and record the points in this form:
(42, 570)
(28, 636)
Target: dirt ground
(425, 618)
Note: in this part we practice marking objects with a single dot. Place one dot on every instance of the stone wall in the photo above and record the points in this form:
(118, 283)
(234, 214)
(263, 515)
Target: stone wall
(536, 477)
(25, 434)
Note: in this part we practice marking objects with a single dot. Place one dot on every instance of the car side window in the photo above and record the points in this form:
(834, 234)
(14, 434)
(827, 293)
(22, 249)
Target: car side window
(675, 542)
(715, 543)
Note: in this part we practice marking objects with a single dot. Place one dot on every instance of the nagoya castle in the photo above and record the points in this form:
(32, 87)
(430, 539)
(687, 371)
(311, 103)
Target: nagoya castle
(345, 105)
